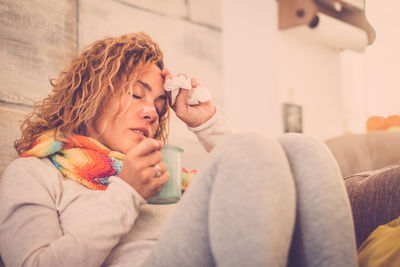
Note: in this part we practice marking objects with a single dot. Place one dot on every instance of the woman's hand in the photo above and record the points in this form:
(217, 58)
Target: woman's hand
(138, 168)
(192, 115)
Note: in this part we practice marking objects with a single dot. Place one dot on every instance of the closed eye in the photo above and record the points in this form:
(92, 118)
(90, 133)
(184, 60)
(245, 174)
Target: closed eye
(136, 96)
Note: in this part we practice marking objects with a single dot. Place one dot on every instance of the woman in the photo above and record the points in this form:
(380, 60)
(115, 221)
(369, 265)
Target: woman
(90, 157)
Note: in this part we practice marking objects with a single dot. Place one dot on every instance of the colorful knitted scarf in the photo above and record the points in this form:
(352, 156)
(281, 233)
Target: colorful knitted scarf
(84, 159)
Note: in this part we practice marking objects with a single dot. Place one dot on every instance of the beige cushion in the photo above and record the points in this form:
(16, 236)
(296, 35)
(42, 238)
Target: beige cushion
(365, 152)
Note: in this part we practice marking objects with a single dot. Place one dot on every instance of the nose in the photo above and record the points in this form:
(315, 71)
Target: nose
(149, 113)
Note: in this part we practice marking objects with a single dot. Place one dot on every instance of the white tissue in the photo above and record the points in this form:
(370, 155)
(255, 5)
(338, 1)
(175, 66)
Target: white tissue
(196, 95)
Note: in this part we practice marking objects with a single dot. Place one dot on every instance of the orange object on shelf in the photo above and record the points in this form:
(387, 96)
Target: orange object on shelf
(376, 123)
(393, 120)
(379, 123)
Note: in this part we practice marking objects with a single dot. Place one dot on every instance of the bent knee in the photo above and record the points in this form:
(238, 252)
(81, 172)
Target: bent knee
(307, 150)
(250, 145)
(294, 142)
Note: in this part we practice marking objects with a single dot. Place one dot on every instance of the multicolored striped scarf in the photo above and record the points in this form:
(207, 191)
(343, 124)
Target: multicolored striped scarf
(84, 159)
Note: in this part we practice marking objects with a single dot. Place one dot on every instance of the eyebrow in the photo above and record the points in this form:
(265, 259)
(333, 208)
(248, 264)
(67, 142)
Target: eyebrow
(148, 87)
(145, 85)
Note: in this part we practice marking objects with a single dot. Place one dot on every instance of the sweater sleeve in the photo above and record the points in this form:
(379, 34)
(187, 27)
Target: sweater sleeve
(213, 131)
(32, 231)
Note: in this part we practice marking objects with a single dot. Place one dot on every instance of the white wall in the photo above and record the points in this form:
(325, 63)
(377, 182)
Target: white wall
(264, 67)
(353, 89)
(370, 83)
(383, 58)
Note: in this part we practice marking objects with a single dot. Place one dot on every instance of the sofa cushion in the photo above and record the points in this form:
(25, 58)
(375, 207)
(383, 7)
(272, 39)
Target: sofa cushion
(365, 152)
(374, 198)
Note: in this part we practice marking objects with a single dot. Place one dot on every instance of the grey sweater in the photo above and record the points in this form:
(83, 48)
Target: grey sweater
(49, 220)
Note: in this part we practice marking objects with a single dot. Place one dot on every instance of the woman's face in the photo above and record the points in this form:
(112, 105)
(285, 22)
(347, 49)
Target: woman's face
(137, 116)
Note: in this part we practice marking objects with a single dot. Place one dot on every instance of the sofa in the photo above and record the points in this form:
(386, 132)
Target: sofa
(370, 165)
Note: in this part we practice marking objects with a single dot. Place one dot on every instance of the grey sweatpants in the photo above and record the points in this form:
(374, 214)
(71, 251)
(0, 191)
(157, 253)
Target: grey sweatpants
(262, 202)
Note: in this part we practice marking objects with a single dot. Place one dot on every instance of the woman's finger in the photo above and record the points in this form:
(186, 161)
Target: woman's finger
(194, 82)
(161, 180)
(152, 170)
(145, 147)
(156, 184)
(181, 100)
(151, 159)
(162, 166)
(183, 93)
(166, 73)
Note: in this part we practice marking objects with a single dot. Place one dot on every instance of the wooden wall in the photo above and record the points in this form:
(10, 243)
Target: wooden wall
(38, 37)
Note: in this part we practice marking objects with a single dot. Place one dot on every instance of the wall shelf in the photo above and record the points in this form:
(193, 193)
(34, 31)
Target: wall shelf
(294, 13)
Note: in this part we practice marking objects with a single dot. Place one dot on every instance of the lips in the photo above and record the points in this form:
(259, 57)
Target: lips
(141, 131)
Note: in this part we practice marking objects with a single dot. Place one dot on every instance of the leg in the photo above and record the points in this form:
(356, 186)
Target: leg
(239, 210)
(324, 234)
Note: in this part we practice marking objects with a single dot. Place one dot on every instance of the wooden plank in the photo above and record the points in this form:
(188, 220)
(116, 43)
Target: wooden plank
(37, 38)
(11, 118)
(173, 8)
(207, 12)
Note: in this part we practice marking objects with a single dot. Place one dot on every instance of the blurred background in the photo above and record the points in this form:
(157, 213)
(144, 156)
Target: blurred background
(233, 47)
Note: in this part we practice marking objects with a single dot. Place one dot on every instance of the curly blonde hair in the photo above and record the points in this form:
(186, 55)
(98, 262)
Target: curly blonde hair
(80, 93)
